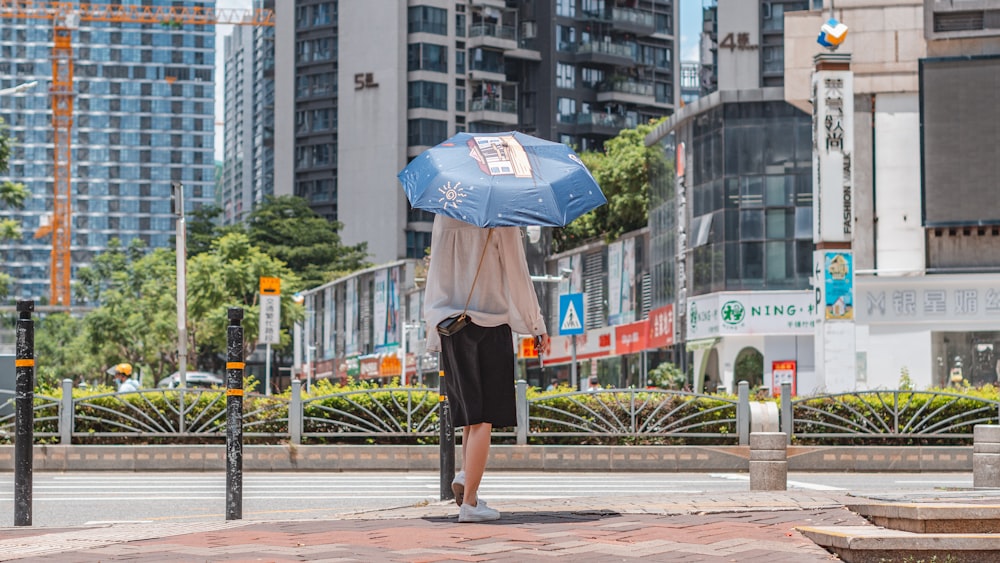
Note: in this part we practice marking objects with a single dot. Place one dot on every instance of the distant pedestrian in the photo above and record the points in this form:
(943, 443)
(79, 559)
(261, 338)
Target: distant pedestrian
(593, 384)
(553, 384)
(123, 376)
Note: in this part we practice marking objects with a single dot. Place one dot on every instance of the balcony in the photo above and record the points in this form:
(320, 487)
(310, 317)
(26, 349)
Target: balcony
(487, 71)
(607, 53)
(501, 4)
(503, 37)
(633, 21)
(526, 50)
(499, 112)
(599, 123)
(626, 92)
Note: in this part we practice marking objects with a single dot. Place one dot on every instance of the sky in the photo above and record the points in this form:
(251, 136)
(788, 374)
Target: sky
(690, 28)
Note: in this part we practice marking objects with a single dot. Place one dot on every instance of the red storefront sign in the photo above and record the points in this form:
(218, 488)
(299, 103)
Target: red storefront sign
(631, 338)
(661, 327)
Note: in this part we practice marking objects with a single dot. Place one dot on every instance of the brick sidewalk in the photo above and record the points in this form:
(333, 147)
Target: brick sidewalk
(711, 528)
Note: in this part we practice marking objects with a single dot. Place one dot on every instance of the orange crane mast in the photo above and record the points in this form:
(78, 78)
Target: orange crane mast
(65, 16)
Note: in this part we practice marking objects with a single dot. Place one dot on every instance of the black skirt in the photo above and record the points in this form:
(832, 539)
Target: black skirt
(479, 375)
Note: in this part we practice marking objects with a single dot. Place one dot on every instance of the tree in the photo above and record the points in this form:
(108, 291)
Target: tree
(623, 171)
(62, 349)
(12, 196)
(135, 319)
(229, 276)
(288, 229)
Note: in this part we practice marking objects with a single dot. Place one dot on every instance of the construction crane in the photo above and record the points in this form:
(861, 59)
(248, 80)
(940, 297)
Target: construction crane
(65, 17)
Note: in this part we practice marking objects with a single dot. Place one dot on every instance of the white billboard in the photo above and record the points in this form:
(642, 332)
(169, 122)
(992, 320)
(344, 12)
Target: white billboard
(767, 312)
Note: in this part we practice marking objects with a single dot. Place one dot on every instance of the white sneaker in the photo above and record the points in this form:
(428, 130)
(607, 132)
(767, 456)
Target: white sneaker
(478, 513)
(458, 488)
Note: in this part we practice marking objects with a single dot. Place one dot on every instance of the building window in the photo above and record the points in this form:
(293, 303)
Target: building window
(665, 24)
(591, 77)
(424, 94)
(774, 58)
(417, 243)
(459, 62)
(427, 132)
(459, 99)
(566, 8)
(565, 76)
(487, 60)
(565, 38)
(425, 19)
(566, 110)
(427, 56)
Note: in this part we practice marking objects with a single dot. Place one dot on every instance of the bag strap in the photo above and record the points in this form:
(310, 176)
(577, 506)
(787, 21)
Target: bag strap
(478, 269)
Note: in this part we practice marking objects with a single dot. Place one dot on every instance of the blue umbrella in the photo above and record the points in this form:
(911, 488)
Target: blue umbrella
(502, 179)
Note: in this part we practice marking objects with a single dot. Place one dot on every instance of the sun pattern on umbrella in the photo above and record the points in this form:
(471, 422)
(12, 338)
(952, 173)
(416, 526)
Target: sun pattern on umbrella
(452, 195)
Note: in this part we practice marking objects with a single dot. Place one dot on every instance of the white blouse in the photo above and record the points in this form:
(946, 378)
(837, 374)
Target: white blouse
(503, 293)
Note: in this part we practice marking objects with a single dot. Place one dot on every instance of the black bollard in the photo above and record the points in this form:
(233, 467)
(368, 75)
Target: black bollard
(447, 447)
(24, 415)
(234, 415)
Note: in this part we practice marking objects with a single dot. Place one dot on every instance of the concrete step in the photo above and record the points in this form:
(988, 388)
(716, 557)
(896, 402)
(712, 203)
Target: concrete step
(871, 544)
(932, 518)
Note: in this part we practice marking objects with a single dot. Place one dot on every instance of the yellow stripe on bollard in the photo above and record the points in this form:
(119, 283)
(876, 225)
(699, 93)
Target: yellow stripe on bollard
(234, 392)
(24, 363)
(235, 365)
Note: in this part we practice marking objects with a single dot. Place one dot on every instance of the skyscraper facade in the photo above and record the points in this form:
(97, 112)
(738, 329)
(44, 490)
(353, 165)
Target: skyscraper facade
(248, 162)
(377, 83)
(143, 119)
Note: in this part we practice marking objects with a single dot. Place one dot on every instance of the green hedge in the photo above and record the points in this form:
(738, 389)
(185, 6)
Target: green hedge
(603, 418)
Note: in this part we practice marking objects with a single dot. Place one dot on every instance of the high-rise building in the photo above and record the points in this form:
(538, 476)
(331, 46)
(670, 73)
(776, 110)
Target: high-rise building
(731, 224)
(763, 35)
(366, 101)
(143, 118)
(248, 165)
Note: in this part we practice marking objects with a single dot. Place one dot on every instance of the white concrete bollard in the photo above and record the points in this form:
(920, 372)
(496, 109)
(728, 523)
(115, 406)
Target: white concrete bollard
(768, 461)
(986, 456)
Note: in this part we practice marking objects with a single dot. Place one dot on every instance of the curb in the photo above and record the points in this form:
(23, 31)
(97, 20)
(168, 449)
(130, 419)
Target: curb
(288, 457)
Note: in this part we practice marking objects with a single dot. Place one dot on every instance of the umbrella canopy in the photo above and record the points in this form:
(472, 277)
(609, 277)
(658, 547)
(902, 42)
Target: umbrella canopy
(502, 179)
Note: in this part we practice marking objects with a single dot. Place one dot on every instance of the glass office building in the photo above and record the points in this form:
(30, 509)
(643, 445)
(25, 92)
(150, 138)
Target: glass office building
(731, 240)
(143, 118)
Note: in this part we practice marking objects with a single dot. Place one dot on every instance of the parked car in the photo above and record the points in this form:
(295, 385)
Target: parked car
(193, 378)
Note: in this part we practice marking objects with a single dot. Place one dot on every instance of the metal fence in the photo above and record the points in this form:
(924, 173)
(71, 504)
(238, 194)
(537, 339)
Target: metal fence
(899, 415)
(411, 414)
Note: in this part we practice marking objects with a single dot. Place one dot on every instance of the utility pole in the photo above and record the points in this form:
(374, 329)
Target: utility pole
(181, 242)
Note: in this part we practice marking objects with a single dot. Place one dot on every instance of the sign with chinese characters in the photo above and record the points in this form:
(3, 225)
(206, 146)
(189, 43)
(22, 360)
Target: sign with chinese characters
(770, 312)
(930, 299)
(270, 311)
(598, 343)
(631, 338)
(737, 41)
(364, 80)
(833, 152)
(782, 372)
(661, 327)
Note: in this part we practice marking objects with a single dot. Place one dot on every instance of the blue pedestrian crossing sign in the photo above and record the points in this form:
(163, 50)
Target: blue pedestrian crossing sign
(570, 314)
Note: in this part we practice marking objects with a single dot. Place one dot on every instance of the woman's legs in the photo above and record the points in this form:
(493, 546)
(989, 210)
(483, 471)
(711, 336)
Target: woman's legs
(475, 452)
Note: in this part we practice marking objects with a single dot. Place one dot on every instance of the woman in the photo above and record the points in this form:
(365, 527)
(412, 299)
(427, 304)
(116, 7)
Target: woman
(482, 273)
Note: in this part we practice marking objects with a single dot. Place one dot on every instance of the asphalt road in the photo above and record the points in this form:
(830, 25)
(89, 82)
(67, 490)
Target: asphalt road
(70, 499)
